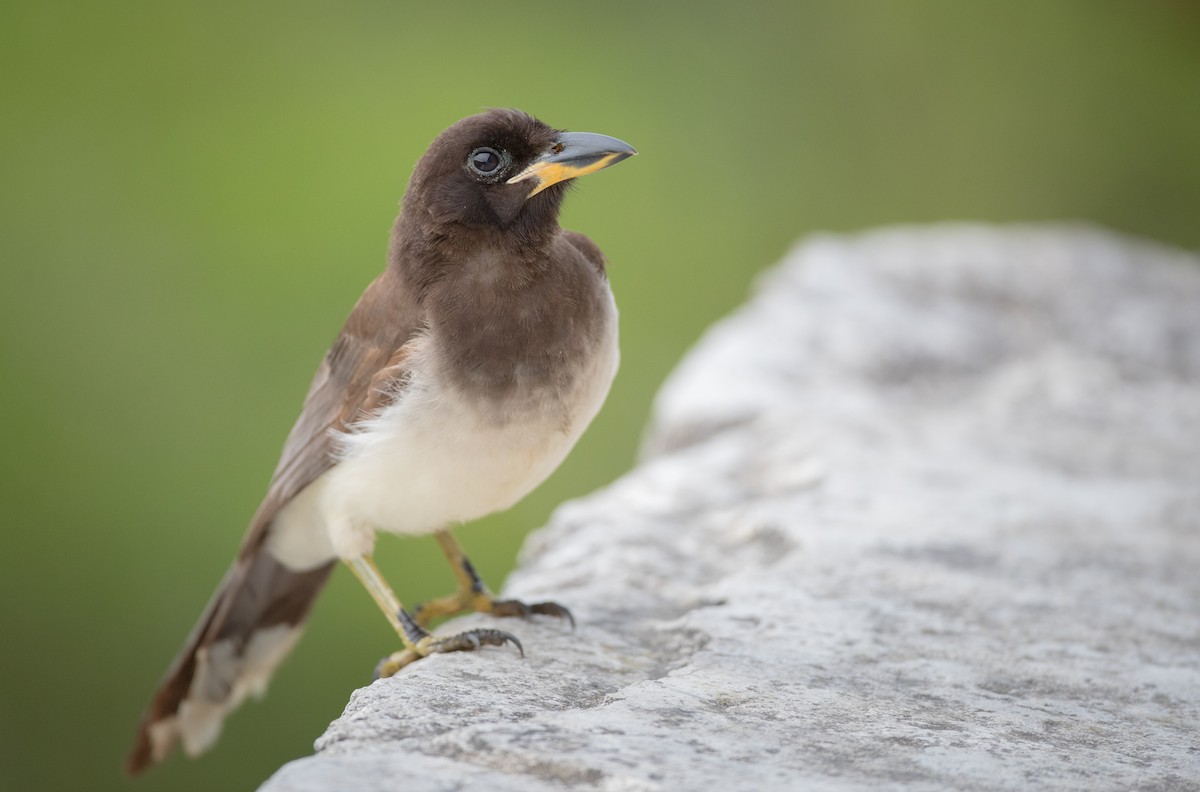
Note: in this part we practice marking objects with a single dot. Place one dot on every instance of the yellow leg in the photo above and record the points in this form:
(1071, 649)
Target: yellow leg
(372, 579)
(474, 595)
(417, 642)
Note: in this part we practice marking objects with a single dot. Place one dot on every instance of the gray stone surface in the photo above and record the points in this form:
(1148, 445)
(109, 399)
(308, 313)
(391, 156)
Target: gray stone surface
(924, 514)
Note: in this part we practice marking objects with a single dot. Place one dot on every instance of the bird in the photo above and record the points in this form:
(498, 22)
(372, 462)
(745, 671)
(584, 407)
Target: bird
(465, 373)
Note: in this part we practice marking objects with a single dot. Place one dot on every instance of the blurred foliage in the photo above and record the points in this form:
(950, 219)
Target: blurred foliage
(194, 194)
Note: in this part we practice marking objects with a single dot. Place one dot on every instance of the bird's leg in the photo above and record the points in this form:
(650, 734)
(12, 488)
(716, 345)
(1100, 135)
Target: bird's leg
(418, 642)
(473, 593)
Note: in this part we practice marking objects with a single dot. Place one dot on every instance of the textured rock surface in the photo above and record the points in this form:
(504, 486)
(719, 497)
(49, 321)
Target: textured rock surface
(924, 514)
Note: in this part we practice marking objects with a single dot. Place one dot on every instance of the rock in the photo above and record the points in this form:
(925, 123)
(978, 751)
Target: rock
(924, 514)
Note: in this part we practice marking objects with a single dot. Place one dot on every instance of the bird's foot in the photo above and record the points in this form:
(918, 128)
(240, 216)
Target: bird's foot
(473, 593)
(422, 644)
(512, 607)
(483, 602)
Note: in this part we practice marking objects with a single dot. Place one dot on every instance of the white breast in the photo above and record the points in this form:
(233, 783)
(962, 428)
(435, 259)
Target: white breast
(434, 458)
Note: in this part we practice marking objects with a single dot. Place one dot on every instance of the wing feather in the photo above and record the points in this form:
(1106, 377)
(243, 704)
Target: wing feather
(365, 362)
(363, 370)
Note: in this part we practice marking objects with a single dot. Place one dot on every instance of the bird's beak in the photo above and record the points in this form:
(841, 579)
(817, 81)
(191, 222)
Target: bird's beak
(573, 154)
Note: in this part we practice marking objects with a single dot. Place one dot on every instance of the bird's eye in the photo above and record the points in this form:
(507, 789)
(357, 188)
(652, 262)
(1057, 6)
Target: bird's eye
(485, 161)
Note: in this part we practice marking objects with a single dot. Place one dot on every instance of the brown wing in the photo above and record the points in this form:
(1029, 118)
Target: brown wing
(368, 353)
(362, 370)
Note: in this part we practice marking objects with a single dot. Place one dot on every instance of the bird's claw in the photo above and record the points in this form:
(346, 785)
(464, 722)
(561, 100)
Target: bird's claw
(468, 641)
(514, 607)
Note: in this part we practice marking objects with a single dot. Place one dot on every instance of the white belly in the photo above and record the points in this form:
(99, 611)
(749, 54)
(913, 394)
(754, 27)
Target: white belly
(434, 459)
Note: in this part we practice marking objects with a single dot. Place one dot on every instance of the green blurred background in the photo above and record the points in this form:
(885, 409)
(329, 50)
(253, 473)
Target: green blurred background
(194, 194)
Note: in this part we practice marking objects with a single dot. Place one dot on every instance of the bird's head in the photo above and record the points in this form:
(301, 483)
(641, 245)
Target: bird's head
(503, 169)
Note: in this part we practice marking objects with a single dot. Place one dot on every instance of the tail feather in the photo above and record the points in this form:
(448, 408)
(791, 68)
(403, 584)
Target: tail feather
(251, 623)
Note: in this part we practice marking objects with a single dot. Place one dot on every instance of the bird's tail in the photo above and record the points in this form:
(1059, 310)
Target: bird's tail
(249, 626)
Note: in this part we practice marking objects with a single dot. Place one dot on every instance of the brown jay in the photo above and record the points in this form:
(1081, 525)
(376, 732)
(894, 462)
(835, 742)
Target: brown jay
(463, 376)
